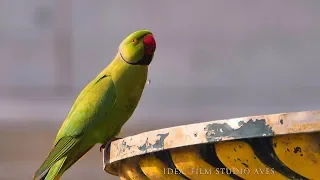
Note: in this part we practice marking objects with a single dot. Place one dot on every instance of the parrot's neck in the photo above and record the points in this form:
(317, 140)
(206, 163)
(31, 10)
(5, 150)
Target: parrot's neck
(120, 69)
(126, 75)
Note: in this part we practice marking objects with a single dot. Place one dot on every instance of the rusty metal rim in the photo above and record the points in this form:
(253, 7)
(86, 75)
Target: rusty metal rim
(213, 131)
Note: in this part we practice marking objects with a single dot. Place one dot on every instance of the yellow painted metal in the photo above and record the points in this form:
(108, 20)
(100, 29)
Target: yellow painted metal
(189, 161)
(239, 157)
(154, 168)
(299, 152)
(130, 170)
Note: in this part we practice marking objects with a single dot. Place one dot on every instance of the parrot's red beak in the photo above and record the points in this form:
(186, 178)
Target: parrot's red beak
(149, 44)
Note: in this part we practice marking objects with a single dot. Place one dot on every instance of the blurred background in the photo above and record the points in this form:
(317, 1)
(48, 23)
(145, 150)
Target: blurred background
(214, 60)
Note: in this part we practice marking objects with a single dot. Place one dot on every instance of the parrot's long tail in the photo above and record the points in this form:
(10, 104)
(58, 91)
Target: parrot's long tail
(56, 171)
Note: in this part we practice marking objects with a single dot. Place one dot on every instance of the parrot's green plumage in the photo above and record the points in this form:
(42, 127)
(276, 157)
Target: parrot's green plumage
(103, 106)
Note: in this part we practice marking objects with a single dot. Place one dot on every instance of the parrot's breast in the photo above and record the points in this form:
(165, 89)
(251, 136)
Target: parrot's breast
(129, 82)
(129, 94)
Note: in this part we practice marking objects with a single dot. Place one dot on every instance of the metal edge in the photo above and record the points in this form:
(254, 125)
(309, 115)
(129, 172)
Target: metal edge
(213, 131)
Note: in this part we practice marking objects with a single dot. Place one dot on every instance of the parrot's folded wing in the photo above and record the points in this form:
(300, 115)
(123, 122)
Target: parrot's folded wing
(97, 97)
(59, 150)
(96, 100)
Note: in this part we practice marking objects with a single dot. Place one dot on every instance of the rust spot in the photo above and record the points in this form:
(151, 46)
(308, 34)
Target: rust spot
(246, 165)
(296, 150)
(275, 145)
(195, 134)
(179, 135)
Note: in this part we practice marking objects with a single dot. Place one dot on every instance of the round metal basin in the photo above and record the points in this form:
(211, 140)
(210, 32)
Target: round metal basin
(276, 146)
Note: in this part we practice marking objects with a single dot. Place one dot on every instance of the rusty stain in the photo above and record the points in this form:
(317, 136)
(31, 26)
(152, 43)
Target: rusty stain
(179, 136)
(303, 127)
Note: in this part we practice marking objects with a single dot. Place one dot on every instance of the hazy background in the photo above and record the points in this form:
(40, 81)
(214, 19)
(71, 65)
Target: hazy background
(214, 60)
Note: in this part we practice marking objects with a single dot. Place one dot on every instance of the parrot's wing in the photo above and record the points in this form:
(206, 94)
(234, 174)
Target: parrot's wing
(96, 99)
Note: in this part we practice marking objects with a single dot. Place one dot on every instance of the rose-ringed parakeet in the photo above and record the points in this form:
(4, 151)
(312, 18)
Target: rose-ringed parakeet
(103, 106)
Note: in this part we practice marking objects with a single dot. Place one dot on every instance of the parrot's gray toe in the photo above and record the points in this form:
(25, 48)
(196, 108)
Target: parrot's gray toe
(102, 147)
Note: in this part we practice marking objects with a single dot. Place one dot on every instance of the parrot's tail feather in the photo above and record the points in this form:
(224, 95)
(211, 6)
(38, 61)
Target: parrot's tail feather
(54, 172)
(59, 151)
(43, 176)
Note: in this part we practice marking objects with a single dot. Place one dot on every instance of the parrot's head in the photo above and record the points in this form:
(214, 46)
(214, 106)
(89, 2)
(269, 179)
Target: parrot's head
(138, 48)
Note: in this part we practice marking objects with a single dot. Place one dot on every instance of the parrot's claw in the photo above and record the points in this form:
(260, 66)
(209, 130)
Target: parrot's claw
(102, 147)
(108, 143)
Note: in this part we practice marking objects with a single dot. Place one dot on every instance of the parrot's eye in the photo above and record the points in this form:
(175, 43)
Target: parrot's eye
(134, 41)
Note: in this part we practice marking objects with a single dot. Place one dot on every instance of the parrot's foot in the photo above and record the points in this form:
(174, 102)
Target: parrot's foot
(108, 143)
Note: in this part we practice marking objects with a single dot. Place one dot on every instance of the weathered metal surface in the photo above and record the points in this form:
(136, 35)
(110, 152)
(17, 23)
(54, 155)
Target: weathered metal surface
(268, 144)
(213, 131)
(291, 156)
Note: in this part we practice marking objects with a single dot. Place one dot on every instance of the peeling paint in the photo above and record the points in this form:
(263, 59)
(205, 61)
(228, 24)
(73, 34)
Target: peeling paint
(124, 146)
(159, 144)
(215, 131)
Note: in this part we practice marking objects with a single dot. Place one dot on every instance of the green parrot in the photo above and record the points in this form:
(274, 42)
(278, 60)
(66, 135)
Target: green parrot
(103, 106)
